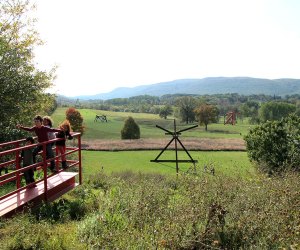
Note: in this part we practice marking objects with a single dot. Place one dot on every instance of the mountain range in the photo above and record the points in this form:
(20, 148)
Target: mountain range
(209, 85)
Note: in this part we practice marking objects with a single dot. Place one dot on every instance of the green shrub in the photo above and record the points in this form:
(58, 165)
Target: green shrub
(130, 130)
(275, 146)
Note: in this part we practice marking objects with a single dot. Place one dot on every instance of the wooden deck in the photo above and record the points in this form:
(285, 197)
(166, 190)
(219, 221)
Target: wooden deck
(57, 185)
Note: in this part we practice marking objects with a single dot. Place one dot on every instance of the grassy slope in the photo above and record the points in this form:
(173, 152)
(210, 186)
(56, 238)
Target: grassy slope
(147, 122)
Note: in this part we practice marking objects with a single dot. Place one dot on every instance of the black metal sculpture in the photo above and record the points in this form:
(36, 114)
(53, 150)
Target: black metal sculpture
(175, 138)
(101, 118)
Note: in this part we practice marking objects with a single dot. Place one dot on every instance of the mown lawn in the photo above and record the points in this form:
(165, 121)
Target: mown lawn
(228, 163)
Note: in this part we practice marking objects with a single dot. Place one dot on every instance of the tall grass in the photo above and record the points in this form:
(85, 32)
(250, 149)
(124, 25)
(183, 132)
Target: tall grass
(129, 210)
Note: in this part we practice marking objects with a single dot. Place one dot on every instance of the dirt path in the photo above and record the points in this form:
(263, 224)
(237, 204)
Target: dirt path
(158, 144)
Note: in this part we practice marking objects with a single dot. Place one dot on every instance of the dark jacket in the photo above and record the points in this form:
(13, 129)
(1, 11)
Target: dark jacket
(64, 135)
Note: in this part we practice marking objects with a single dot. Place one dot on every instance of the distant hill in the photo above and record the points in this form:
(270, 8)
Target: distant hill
(210, 85)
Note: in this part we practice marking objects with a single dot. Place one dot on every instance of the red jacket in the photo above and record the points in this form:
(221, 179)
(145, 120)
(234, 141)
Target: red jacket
(42, 132)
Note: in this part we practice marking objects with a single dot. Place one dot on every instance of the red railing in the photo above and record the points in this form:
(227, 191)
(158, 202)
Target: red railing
(16, 171)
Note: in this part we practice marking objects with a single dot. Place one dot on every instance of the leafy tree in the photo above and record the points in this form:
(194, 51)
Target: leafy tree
(275, 145)
(187, 106)
(206, 114)
(250, 109)
(274, 111)
(165, 111)
(75, 119)
(22, 86)
(131, 129)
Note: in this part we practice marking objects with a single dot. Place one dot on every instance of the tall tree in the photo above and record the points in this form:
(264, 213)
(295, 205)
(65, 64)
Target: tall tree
(274, 111)
(22, 86)
(165, 111)
(186, 106)
(206, 114)
(250, 109)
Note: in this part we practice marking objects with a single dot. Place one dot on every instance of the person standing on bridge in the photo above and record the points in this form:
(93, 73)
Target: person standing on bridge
(61, 145)
(47, 122)
(42, 134)
(27, 158)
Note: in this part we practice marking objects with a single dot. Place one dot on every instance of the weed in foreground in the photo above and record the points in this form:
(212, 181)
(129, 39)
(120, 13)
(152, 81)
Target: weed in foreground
(146, 211)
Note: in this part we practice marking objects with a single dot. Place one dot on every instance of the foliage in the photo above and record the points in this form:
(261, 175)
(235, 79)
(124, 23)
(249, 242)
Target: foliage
(250, 109)
(165, 111)
(274, 111)
(275, 145)
(131, 129)
(22, 85)
(206, 114)
(187, 106)
(152, 211)
(75, 119)
(245, 105)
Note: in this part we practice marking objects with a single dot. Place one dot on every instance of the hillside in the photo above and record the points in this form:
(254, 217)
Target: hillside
(210, 85)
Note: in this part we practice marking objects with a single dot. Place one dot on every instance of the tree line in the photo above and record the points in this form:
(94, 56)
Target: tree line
(202, 108)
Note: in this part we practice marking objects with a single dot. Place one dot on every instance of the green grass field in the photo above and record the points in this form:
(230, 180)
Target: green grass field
(147, 123)
(229, 163)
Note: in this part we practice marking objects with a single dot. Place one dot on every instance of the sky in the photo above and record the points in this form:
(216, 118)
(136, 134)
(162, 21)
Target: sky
(100, 45)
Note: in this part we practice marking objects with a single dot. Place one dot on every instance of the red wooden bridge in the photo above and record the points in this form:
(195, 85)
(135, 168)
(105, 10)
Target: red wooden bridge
(48, 187)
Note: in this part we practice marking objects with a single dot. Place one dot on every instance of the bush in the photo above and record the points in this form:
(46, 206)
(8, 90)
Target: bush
(130, 130)
(275, 146)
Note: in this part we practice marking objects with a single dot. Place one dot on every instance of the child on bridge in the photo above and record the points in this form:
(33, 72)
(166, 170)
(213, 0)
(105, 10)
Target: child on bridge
(42, 134)
(47, 122)
(61, 145)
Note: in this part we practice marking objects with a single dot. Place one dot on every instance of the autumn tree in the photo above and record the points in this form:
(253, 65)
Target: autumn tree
(75, 119)
(131, 129)
(206, 114)
(22, 85)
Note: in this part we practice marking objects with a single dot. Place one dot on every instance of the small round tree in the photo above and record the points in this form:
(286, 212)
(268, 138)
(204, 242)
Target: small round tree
(130, 130)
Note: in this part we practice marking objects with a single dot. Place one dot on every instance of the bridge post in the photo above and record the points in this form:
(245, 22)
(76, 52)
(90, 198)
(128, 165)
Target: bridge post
(45, 172)
(18, 181)
(79, 159)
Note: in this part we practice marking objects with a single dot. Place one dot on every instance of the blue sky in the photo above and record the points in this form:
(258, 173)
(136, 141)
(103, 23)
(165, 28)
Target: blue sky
(99, 45)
